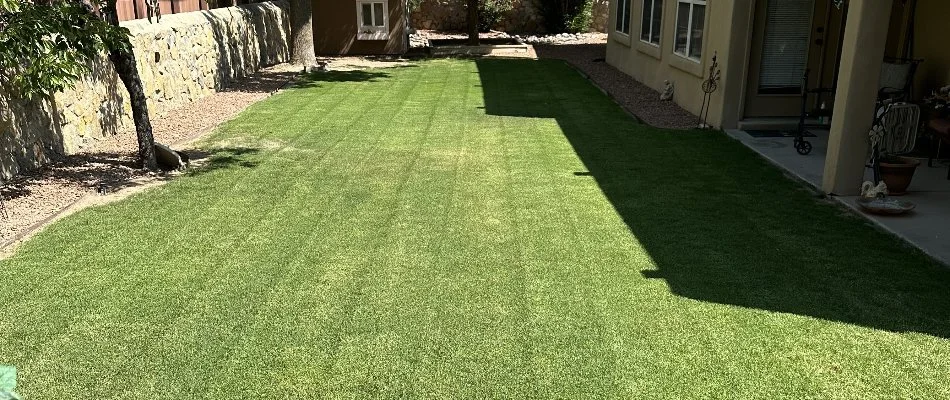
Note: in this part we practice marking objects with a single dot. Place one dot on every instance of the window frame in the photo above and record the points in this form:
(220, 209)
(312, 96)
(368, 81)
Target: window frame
(689, 28)
(626, 20)
(372, 32)
(653, 17)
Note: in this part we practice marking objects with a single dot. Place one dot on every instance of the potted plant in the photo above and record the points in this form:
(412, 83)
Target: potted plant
(895, 171)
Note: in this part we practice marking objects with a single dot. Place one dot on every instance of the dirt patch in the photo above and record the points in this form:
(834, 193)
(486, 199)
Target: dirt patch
(358, 63)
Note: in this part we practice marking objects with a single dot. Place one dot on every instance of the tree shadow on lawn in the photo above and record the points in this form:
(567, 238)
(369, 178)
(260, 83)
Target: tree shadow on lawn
(218, 158)
(314, 79)
(720, 224)
(107, 172)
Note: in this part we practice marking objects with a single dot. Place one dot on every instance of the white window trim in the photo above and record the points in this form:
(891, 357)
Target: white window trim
(619, 32)
(372, 32)
(652, 17)
(689, 28)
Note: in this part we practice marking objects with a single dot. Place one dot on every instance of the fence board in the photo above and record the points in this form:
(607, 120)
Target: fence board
(135, 9)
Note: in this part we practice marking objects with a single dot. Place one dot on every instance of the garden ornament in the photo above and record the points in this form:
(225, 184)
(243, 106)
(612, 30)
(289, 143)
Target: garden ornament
(667, 94)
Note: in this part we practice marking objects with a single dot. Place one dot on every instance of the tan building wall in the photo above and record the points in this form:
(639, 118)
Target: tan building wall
(727, 28)
(931, 31)
(335, 29)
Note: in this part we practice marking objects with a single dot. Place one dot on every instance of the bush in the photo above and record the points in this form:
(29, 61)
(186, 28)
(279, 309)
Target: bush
(491, 12)
(580, 22)
(566, 15)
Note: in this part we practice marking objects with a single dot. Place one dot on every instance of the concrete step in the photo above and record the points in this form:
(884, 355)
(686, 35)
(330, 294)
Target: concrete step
(773, 123)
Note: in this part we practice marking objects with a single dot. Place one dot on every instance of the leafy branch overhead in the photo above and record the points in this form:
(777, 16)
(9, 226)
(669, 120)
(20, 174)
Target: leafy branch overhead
(47, 45)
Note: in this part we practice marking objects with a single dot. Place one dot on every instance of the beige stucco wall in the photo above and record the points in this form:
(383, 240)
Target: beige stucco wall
(727, 28)
(185, 57)
(930, 44)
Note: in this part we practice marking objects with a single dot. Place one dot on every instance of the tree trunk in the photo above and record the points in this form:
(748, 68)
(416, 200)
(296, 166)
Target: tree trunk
(301, 32)
(124, 62)
(473, 22)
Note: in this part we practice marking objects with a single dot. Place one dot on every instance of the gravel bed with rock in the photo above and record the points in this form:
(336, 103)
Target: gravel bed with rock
(32, 199)
(420, 39)
(637, 98)
(564, 38)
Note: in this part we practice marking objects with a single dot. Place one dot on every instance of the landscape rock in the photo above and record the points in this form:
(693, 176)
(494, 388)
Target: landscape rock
(168, 159)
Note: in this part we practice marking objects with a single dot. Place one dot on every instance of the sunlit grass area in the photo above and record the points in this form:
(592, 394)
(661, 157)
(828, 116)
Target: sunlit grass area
(460, 228)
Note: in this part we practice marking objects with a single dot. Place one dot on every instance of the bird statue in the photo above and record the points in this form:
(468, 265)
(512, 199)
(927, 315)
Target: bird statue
(667, 94)
(868, 190)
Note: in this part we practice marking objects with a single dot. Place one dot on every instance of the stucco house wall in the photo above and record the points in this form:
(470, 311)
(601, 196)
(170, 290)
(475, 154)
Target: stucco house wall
(728, 24)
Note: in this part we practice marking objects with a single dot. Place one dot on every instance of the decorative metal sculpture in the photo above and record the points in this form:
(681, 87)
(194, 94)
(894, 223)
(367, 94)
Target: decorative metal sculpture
(153, 10)
(709, 86)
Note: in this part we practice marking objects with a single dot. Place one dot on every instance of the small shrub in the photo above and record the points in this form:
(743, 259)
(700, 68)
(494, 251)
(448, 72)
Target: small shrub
(580, 21)
(566, 15)
(491, 12)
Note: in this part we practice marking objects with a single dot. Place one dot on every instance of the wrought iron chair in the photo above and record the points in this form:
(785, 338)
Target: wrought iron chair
(897, 79)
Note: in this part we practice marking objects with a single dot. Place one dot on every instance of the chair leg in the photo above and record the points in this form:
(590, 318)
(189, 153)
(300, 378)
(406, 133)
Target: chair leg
(935, 152)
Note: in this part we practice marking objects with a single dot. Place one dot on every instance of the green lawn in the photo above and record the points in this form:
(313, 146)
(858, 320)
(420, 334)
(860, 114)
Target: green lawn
(492, 228)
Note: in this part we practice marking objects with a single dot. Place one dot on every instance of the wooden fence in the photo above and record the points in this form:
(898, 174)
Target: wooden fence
(135, 9)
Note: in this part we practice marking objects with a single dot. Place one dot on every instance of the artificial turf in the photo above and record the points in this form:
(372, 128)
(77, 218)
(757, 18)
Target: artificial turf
(471, 228)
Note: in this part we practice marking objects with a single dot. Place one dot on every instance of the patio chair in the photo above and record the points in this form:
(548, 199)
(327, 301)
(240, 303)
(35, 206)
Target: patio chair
(940, 132)
(897, 79)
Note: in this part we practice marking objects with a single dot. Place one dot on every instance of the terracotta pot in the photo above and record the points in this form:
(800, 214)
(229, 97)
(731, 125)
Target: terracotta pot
(897, 172)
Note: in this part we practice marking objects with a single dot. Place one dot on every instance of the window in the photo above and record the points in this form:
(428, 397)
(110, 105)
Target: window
(785, 47)
(652, 15)
(623, 17)
(373, 19)
(690, 18)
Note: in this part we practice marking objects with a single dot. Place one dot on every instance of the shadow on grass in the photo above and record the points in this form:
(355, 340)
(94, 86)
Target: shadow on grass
(314, 79)
(218, 158)
(720, 224)
(107, 172)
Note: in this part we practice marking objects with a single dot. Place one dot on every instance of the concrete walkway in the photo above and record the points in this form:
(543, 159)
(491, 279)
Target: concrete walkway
(927, 227)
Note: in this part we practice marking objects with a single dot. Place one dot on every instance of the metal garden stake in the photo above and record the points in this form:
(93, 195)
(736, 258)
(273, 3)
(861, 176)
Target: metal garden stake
(709, 86)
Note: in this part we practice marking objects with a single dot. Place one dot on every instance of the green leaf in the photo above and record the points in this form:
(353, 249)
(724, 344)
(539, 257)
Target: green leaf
(46, 46)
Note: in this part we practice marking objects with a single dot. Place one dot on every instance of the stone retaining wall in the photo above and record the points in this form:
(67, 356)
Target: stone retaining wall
(449, 15)
(185, 57)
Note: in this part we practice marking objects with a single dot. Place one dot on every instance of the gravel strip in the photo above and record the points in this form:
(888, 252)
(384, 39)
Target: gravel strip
(632, 95)
(35, 197)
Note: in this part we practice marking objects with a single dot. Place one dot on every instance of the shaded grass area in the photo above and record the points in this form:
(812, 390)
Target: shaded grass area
(492, 228)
